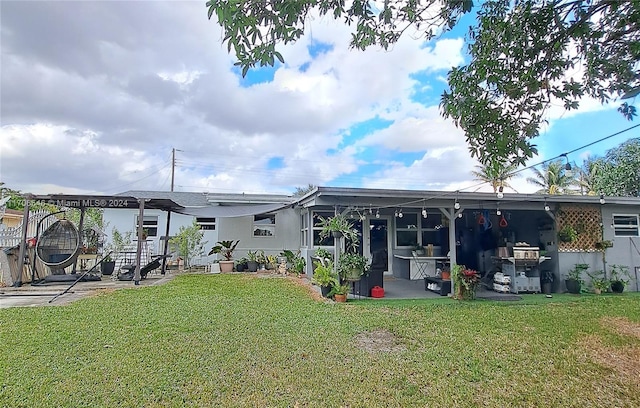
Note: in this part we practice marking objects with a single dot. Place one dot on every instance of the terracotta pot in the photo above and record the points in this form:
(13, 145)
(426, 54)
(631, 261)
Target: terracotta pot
(226, 266)
(340, 298)
(445, 275)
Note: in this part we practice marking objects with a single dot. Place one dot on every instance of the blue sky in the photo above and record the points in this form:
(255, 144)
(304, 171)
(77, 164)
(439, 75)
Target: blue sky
(95, 105)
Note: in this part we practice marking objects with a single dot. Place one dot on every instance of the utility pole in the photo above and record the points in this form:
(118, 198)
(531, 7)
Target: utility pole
(166, 231)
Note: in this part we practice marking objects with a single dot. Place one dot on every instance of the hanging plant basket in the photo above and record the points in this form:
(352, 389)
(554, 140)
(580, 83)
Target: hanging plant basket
(353, 275)
(337, 234)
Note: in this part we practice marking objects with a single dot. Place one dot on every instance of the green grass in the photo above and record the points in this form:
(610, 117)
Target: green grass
(239, 340)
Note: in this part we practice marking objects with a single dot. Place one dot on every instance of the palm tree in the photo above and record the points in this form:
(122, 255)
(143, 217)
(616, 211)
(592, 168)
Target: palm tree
(587, 174)
(553, 179)
(495, 173)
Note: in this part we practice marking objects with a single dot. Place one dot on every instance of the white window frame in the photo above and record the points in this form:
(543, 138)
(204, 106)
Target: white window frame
(304, 229)
(619, 229)
(261, 225)
(207, 223)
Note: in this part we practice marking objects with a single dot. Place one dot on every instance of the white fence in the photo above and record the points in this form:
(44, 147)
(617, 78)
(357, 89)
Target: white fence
(11, 237)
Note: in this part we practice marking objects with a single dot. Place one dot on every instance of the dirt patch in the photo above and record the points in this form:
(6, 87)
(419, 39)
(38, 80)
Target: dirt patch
(624, 362)
(304, 282)
(622, 325)
(379, 341)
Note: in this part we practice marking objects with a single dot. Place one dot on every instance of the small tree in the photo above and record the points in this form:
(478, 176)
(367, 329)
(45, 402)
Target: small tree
(189, 242)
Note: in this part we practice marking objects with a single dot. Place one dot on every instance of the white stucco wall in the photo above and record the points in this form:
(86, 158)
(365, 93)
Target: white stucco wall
(287, 234)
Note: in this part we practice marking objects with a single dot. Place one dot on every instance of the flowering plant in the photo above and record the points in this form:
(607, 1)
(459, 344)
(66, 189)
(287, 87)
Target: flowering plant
(465, 281)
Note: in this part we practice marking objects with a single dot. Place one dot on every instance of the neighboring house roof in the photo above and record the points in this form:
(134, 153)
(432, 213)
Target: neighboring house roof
(218, 205)
(183, 199)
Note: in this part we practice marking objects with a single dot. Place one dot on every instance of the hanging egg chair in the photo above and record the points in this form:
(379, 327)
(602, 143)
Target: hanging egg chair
(59, 245)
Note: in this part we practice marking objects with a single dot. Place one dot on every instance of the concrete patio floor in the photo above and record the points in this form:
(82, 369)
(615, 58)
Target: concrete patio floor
(40, 295)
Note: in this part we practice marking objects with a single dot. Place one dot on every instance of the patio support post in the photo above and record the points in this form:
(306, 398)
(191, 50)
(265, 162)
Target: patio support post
(166, 243)
(136, 275)
(23, 242)
(80, 227)
(451, 215)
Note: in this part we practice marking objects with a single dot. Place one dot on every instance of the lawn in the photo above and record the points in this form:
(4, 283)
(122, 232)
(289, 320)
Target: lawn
(242, 340)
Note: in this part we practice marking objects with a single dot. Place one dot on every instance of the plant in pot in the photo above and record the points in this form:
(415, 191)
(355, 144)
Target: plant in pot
(417, 249)
(252, 261)
(465, 282)
(546, 281)
(325, 277)
(567, 234)
(352, 266)
(270, 262)
(574, 281)
(619, 278)
(599, 282)
(340, 292)
(242, 264)
(338, 226)
(225, 248)
(295, 261)
(117, 246)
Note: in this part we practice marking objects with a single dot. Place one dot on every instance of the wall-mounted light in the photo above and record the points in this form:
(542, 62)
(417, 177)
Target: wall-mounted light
(395, 214)
(602, 201)
(400, 215)
(424, 212)
(377, 213)
(459, 215)
(498, 212)
(500, 194)
(546, 206)
(456, 205)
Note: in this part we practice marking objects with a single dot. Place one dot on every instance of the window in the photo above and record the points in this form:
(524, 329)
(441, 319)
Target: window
(150, 224)
(431, 229)
(407, 230)
(206, 223)
(264, 225)
(625, 225)
(328, 241)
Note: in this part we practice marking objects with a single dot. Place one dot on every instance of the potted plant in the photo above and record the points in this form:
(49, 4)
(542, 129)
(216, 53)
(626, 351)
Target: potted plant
(352, 266)
(417, 250)
(119, 243)
(546, 281)
(567, 234)
(340, 292)
(295, 261)
(270, 262)
(339, 226)
(619, 278)
(324, 276)
(242, 264)
(574, 281)
(465, 281)
(252, 261)
(225, 248)
(108, 264)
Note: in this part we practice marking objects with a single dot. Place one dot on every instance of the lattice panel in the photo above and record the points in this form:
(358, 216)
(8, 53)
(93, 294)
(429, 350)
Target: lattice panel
(586, 220)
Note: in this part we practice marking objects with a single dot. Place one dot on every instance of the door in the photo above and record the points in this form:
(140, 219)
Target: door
(376, 239)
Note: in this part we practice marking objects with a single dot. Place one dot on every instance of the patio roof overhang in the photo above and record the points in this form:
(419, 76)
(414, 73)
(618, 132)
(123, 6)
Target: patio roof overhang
(106, 201)
(365, 198)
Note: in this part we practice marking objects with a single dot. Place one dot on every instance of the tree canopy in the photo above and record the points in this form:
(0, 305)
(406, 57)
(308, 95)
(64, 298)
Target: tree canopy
(618, 172)
(553, 179)
(525, 55)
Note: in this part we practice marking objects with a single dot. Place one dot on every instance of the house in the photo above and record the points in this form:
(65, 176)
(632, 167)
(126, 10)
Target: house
(476, 229)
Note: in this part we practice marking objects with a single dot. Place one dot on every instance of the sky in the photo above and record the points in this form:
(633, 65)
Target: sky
(95, 95)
